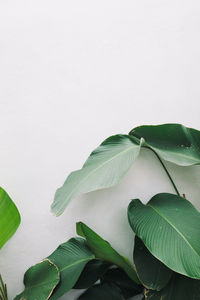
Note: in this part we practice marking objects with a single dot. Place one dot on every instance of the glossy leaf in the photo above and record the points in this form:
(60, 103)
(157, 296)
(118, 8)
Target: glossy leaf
(179, 288)
(169, 226)
(9, 217)
(102, 291)
(151, 272)
(118, 277)
(172, 142)
(71, 258)
(104, 168)
(92, 272)
(103, 250)
(40, 281)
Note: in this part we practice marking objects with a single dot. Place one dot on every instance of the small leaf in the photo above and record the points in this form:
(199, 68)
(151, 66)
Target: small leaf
(103, 250)
(91, 273)
(102, 291)
(169, 226)
(40, 281)
(125, 284)
(172, 142)
(104, 168)
(71, 258)
(179, 288)
(9, 217)
(151, 272)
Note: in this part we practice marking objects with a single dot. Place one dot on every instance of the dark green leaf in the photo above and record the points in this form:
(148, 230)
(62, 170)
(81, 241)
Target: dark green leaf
(151, 272)
(169, 226)
(103, 250)
(173, 142)
(104, 291)
(120, 279)
(40, 281)
(179, 288)
(91, 273)
(104, 168)
(71, 258)
(9, 217)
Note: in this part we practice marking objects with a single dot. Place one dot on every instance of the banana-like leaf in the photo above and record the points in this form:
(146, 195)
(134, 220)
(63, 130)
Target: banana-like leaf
(92, 272)
(71, 258)
(179, 288)
(102, 291)
(118, 277)
(151, 271)
(169, 226)
(104, 168)
(9, 217)
(103, 250)
(40, 281)
(172, 142)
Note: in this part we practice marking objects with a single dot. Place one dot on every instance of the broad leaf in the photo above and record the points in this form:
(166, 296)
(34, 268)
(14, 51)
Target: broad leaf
(102, 291)
(103, 250)
(9, 217)
(71, 258)
(151, 272)
(125, 284)
(40, 281)
(169, 226)
(92, 272)
(173, 142)
(179, 288)
(104, 168)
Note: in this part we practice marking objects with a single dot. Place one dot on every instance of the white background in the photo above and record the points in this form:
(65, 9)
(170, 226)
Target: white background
(71, 74)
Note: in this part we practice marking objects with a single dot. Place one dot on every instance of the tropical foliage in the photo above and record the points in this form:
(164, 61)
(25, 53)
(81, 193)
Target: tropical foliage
(166, 254)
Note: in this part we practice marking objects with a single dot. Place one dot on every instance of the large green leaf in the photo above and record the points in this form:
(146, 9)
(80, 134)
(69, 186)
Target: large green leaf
(152, 272)
(9, 217)
(169, 226)
(179, 288)
(71, 258)
(104, 168)
(92, 272)
(173, 142)
(103, 250)
(40, 281)
(102, 291)
(118, 277)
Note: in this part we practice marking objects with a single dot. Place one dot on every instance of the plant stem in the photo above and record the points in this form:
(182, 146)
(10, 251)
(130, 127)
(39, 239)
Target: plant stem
(3, 290)
(169, 176)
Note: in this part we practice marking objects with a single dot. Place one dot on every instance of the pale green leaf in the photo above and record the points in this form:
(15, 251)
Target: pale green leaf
(104, 168)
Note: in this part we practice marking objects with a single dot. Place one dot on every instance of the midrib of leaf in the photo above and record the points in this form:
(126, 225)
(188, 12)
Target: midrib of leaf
(77, 262)
(184, 238)
(177, 153)
(95, 169)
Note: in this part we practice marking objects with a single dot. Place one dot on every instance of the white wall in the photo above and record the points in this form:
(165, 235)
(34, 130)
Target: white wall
(71, 74)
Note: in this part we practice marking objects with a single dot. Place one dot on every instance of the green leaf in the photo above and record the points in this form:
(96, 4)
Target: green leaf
(125, 284)
(179, 288)
(71, 258)
(91, 273)
(40, 281)
(151, 272)
(103, 250)
(169, 226)
(104, 168)
(9, 217)
(102, 291)
(172, 142)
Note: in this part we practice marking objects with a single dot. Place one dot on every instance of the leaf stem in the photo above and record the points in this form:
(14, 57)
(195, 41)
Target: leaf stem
(164, 167)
